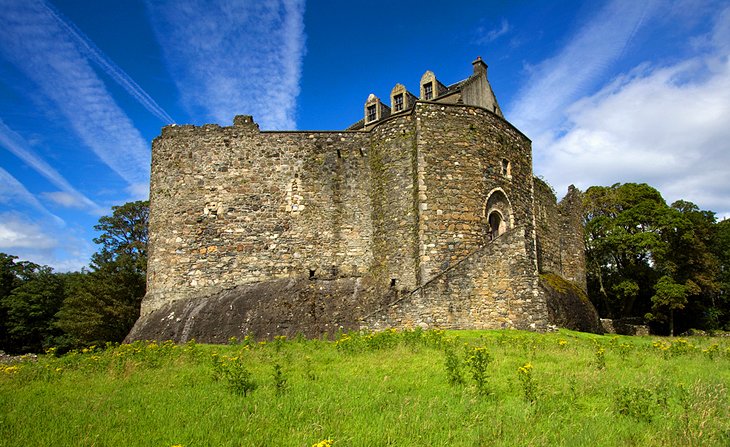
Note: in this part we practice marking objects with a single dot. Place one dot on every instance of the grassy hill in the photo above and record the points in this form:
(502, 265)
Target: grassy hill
(412, 388)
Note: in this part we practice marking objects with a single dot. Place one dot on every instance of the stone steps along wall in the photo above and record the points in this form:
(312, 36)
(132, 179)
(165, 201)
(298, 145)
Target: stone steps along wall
(487, 290)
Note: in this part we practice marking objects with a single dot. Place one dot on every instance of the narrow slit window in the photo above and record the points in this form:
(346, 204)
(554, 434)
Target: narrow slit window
(505, 167)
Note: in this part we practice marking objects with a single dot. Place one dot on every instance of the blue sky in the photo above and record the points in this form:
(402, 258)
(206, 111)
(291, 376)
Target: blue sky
(608, 91)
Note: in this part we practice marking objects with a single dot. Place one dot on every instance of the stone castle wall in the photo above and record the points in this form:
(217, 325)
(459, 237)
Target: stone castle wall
(392, 168)
(231, 206)
(493, 288)
(402, 202)
(460, 155)
(405, 206)
(559, 233)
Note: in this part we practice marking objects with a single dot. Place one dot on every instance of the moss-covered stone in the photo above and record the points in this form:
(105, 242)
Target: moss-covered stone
(568, 305)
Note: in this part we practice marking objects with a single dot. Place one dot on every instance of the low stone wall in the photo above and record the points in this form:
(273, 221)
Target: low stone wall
(625, 326)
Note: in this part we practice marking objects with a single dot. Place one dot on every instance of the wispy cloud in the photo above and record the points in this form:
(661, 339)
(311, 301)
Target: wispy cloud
(230, 58)
(558, 81)
(106, 64)
(13, 142)
(37, 240)
(485, 36)
(33, 40)
(13, 194)
(17, 233)
(663, 125)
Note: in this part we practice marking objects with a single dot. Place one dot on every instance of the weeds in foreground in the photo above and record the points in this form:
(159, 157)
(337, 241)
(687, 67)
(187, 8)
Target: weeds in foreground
(529, 388)
(280, 381)
(599, 358)
(377, 389)
(478, 359)
(636, 402)
(453, 364)
(234, 372)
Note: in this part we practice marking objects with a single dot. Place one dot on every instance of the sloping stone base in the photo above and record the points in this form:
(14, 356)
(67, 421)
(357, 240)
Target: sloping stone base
(280, 307)
(568, 305)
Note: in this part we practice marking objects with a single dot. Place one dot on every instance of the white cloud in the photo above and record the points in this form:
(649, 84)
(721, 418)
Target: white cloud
(231, 58)
(106, 64)
(666, 126)
(42, 49)
(13, 193)
(558, 81)
(18, 146)
(485, 36)
(63, 198)
(16, 233)
(138, 191)
(39, 241)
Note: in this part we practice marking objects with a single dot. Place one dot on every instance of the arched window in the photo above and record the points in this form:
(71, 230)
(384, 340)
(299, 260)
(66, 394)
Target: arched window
(498, 212)
(496, 225)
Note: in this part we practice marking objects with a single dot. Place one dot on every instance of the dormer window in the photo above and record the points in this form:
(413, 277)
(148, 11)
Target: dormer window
(401, 99)
(372, 113)
(398, 102)
(428, 91)
(375, 110)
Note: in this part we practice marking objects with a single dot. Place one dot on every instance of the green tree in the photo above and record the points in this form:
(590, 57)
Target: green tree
(691, 261)
(30, 311)
(623, 234)
(721, 248)
(123, 236)
(669, 296)
(641, 254)
(103, 304)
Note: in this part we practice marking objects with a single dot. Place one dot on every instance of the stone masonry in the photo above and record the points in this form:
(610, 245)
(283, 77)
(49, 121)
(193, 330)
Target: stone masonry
(425, 213)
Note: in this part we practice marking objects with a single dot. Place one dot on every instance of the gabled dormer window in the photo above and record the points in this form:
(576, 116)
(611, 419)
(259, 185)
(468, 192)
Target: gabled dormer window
(398, 102)
(428, 91)
(372, 113)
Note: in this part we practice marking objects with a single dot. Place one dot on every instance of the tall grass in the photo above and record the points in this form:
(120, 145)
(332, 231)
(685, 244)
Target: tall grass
(388, 388)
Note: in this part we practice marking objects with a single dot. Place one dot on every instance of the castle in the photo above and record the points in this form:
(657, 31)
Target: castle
(423, 213)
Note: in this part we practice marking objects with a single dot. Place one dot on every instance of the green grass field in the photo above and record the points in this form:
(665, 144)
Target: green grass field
(385, 389)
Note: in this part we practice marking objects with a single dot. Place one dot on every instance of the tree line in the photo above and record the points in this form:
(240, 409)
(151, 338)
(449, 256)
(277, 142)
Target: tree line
(40, 308)
(667, 265)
